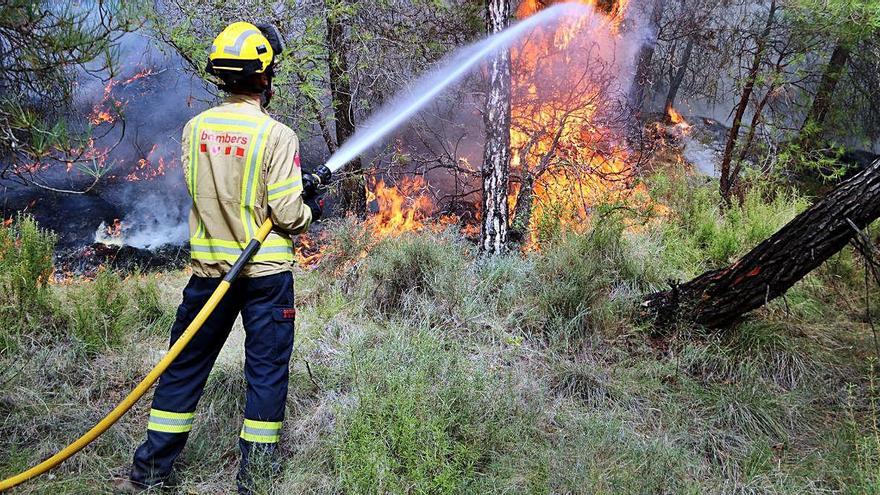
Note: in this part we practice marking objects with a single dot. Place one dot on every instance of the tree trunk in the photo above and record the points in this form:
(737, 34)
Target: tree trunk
(642, 77)
(822, 102)
(751, 79)
(522, 210)
(718, 298)
(353, 194)
(677, 79)
(496, 156)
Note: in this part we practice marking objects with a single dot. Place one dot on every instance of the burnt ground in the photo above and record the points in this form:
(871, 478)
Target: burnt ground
(87, 260)
(75, 219)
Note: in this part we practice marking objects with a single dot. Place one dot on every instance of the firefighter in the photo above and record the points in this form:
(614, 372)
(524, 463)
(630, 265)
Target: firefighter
(241, 167)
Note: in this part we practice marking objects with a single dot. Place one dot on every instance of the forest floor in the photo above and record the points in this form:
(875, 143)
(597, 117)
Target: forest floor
(420, 367)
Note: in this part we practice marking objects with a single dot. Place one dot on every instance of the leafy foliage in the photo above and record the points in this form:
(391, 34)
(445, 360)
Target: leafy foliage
(44, 46)
(26, 253)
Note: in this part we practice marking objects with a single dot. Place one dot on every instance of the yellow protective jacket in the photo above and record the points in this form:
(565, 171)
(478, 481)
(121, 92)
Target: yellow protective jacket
(241, 166)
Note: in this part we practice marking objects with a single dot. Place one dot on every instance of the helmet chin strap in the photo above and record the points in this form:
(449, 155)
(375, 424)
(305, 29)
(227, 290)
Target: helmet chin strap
(267, 93)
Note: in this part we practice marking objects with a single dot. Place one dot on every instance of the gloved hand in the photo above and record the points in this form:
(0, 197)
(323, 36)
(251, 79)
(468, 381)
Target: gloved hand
(312, 181)
(316, 204)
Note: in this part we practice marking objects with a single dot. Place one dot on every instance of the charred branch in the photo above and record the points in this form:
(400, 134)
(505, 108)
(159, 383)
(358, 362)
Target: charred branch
(719, 298)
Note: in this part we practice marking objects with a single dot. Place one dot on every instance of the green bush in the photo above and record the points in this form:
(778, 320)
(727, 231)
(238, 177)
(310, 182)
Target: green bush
(152, 312)
(346, 241)
(426, 266)
(700, 235)
(25, 267)
(583, 283)
(99, 312)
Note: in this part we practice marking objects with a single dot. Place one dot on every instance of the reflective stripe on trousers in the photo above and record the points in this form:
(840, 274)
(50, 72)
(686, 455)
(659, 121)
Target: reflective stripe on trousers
(267, 310)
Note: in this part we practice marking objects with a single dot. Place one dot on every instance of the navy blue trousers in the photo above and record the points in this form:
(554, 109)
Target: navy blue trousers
(266, 305)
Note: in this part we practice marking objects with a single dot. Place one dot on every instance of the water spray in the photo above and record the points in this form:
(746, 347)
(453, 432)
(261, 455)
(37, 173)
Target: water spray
(394, 113)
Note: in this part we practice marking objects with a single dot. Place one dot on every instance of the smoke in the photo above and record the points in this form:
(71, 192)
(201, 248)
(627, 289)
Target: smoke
(152, 207)
(145, 180)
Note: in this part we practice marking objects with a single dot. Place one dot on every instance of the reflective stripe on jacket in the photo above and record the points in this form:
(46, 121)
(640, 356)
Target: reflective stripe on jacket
(242, 166)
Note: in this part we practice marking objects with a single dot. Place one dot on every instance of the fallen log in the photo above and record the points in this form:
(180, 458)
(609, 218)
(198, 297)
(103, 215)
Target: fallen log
(719, 298)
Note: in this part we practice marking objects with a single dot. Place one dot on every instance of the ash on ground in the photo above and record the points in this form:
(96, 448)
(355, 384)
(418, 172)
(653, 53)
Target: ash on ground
(89, 260)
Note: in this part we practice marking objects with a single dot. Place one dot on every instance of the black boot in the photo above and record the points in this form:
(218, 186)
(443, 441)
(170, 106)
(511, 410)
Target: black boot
(259, 466)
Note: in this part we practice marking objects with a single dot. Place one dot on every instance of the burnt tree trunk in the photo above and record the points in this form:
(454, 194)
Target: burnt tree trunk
(496, 156)
(718, 298)
(353, 194)
(522, 210)
(726, 181)
(678, 78)
(822, 101)
(642, 78)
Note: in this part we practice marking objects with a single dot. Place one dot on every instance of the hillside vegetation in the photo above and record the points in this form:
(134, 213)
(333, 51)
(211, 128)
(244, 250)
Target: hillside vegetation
(422, 368)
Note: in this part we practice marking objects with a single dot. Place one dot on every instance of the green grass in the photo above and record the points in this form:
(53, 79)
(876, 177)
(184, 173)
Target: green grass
(421, 367)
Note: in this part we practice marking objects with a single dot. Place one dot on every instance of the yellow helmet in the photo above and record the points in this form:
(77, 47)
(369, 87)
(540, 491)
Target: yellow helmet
(241, 49)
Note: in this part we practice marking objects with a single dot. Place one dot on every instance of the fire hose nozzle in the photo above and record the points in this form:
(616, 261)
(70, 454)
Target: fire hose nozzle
(312, 181)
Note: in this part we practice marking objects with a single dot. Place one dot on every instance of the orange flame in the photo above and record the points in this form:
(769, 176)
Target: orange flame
(114, 230)
(399, 208)
(146, 169)
(558, 135)
(402, 208)
(107, 110)
(676, 118)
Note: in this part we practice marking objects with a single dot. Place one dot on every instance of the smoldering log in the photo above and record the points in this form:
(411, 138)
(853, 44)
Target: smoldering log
(719, 298)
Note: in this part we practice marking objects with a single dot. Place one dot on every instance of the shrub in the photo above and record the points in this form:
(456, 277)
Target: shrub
(699, 235)
(345, 241)
(100, 311)
(152, 311)
(25, 267)
(582, 283)
(410, 266)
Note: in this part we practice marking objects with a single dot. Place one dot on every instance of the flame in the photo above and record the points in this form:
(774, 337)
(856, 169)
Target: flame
(115, 229)
(110, 234)
(109, 108)
(561, 134)
(675, 117)
(7, 222)
(403, 207)
(147, 168)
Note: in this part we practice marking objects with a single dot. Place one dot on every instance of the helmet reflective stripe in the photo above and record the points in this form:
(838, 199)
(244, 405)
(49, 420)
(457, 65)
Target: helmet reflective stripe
(235, 48)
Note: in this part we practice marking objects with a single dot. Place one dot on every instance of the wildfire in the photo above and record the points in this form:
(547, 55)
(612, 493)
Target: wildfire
(613, 9)
(107, 110)
(7, 222)
(566, 139)
(308, 250)
(401, 208)
(147, 168)
(674, 116)
(110, 234)
(678, 119)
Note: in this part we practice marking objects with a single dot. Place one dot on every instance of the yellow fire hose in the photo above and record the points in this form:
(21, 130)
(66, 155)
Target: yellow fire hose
(153, 375)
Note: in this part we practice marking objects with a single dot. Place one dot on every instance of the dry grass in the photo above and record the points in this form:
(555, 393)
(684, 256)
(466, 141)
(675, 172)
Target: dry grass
(422, 368)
